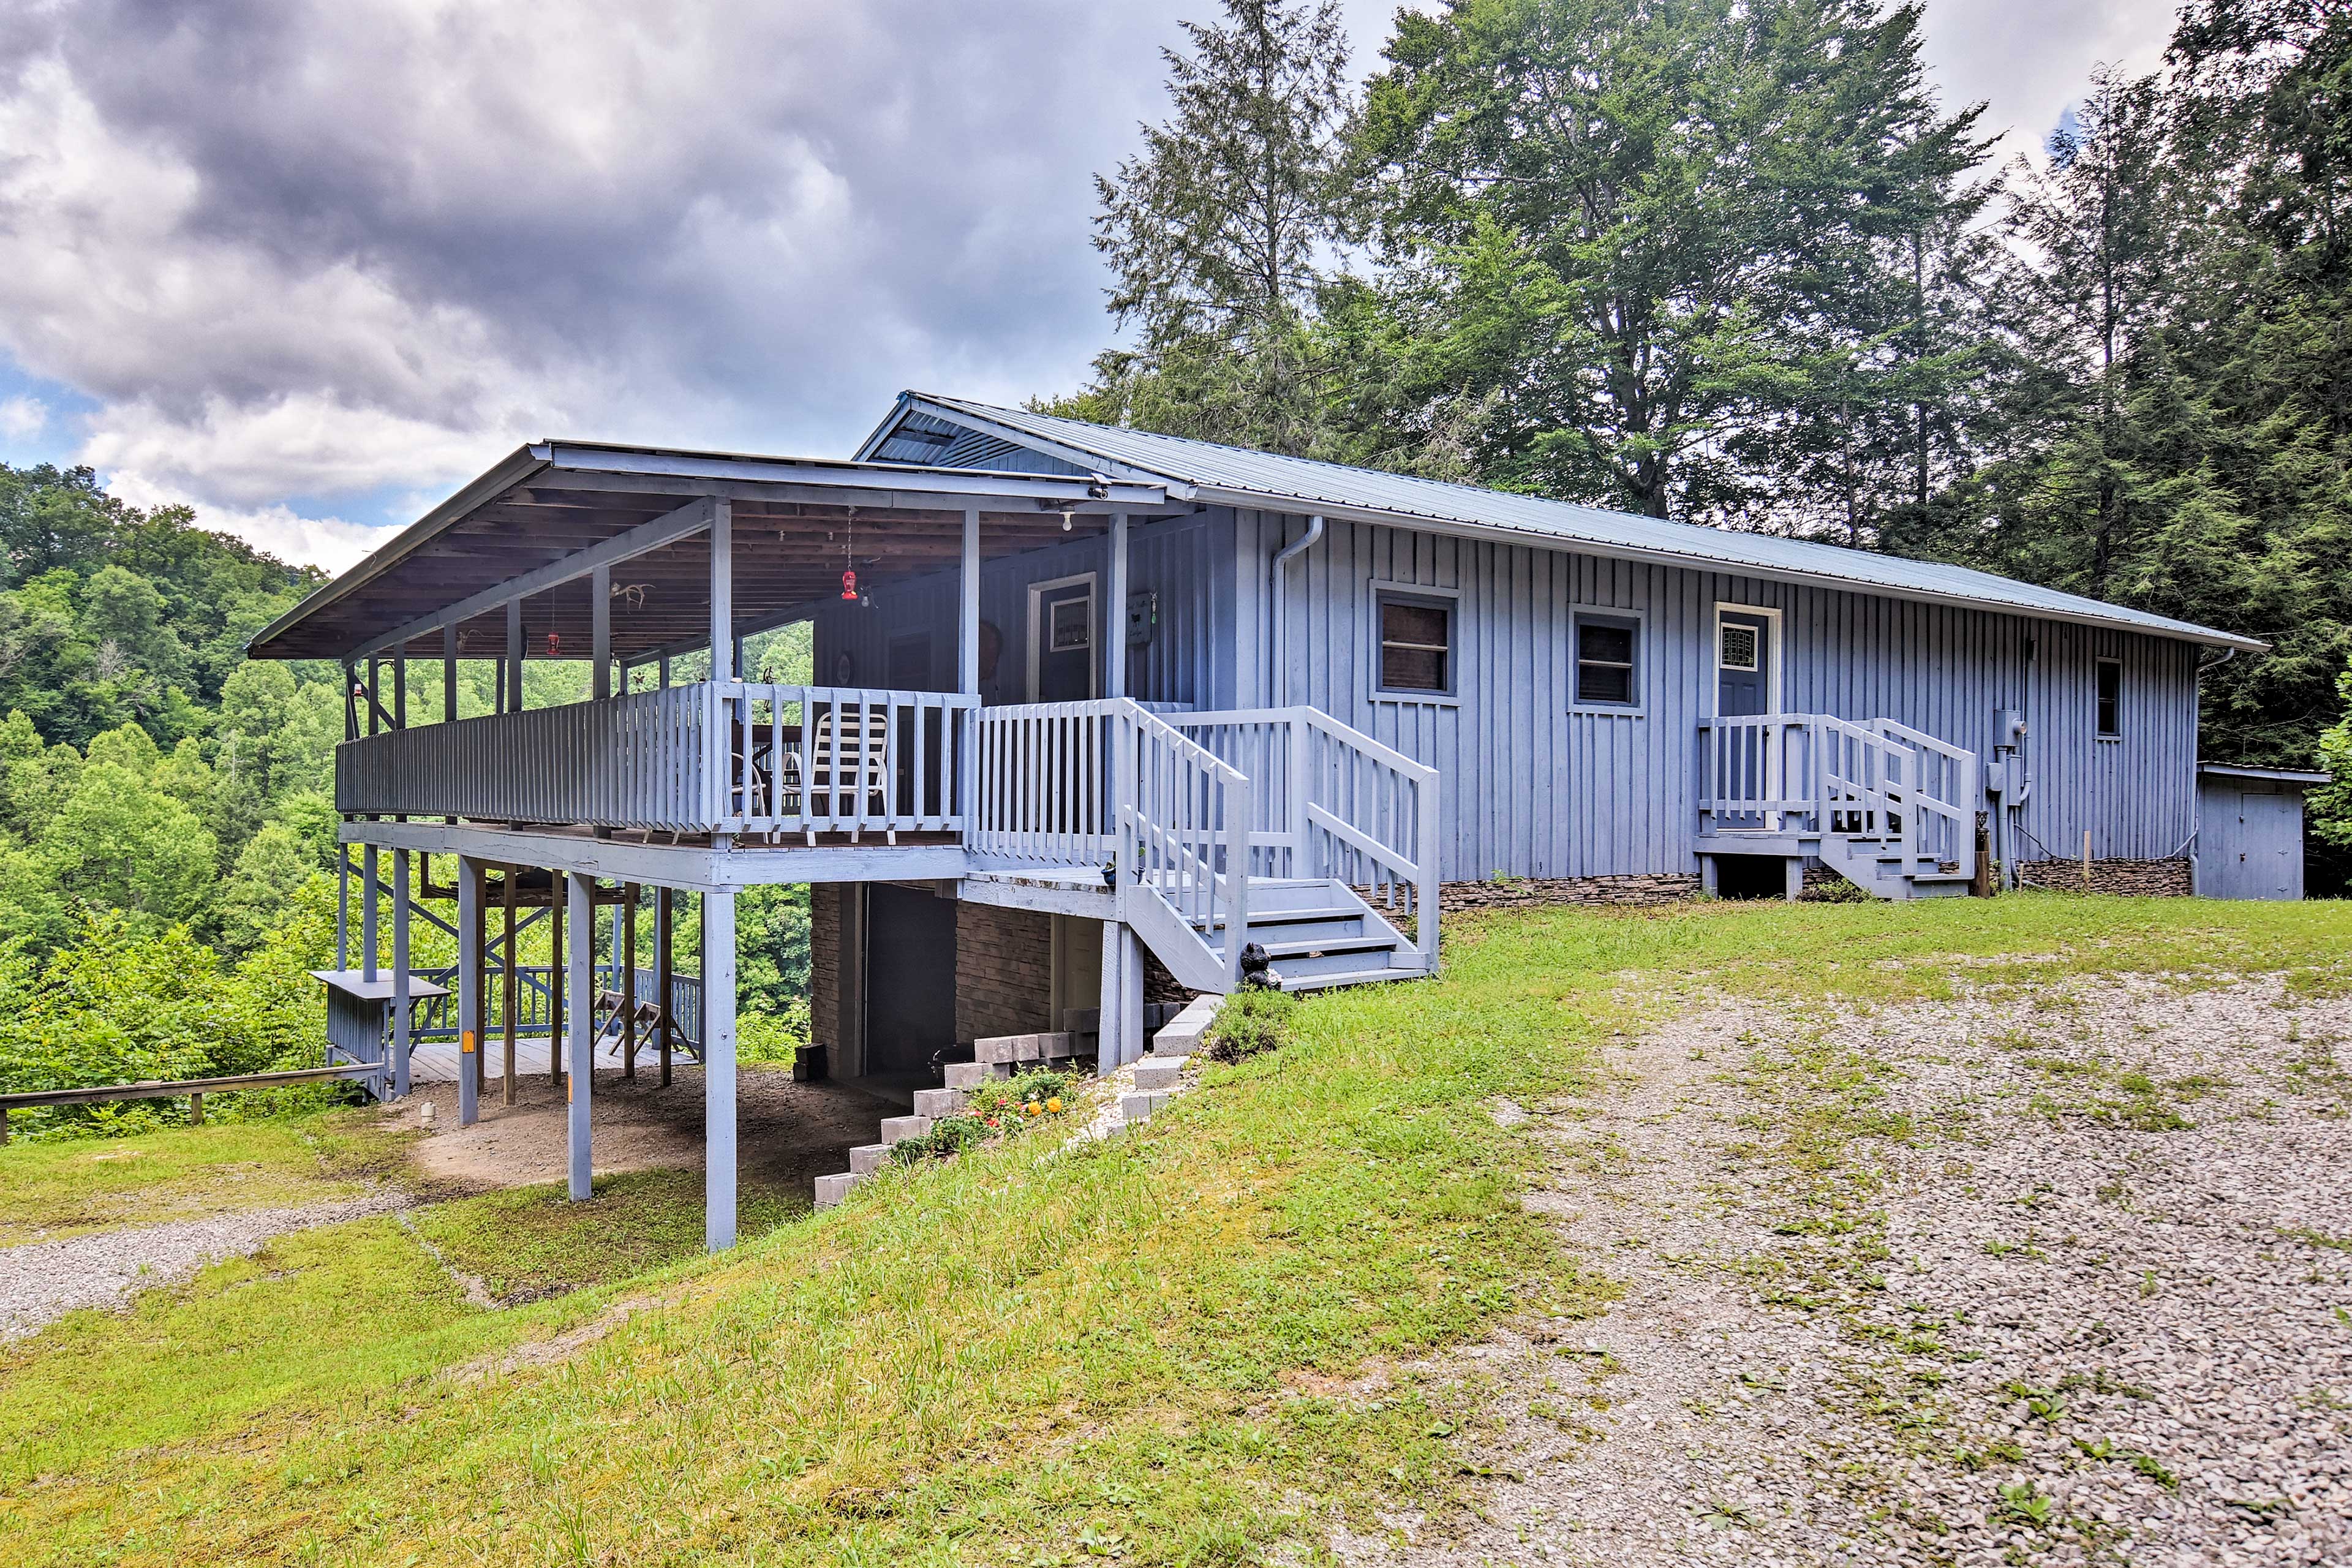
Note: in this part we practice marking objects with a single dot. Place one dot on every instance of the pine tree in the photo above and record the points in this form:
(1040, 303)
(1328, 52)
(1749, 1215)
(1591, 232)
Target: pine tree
(1218, 230)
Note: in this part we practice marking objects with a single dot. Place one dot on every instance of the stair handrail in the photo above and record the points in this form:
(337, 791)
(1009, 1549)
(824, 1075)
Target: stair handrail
(1315, 816)
(1420, 870)
(1945, 800)
(1174, 802)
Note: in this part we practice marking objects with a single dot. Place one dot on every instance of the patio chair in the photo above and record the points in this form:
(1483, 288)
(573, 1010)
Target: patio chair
(847, 762)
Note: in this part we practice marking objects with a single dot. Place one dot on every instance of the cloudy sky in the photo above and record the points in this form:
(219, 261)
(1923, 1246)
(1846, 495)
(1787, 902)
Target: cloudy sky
(309, 264)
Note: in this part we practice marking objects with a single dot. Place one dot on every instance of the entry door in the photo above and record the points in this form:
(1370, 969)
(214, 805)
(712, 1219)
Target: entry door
(1743, 665)
(1743, 688)
(1062, 637)
(910, 958)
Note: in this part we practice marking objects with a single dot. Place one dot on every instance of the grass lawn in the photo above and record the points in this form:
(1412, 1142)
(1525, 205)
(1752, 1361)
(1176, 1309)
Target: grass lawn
(1187, 1345)
(66, 1186)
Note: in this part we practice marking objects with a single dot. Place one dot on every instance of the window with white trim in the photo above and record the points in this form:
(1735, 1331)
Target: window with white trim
(1416, 644)
(1608, 660)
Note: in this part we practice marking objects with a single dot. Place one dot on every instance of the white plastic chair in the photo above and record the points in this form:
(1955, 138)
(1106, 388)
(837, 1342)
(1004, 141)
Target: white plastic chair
(850, 758)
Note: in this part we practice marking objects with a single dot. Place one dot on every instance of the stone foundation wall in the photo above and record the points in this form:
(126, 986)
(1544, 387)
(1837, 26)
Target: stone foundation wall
(1625, 891)
(1158, 985)
(2143, 878)
(1004, 972)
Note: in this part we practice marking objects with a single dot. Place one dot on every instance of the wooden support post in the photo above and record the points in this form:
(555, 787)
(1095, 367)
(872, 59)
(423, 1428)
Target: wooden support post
(401, 1024)
(369, 885)
(1792, 877)
(629, 945)
(1120, 1039)
(374, 695)
(195, 1110)
(600, 640)
(469, 990)
(718, 1070)
(557, 896)
(343, 906)
(2086, 859)
(722, 591)
(580, 892)
(1114, 613)
(448, 672)
(514, 657)
(665, 968)
(509, 977)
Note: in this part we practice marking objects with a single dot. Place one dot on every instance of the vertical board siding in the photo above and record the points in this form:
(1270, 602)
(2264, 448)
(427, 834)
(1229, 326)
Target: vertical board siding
(1536, 786)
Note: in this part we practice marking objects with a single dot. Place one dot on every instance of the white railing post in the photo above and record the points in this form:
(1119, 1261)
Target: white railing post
(1429, 891)
(1298, 792)
(1239, 814)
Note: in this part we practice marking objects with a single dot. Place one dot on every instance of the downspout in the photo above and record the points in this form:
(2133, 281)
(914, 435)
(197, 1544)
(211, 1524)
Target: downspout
(1283, 558)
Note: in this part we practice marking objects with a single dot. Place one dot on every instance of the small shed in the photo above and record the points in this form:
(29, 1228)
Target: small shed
(2250, 831)
(359, 1009)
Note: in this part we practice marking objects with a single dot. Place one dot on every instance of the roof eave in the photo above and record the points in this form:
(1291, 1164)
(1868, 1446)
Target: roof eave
(513, 469)
(1178, 487)
(1695, 560)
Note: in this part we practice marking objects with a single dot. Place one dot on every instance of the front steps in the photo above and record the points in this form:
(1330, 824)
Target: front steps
(1318, 933)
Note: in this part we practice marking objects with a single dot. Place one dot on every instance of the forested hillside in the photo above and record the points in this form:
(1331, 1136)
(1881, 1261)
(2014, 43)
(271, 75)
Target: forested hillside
(167, 825)
(1735, 263)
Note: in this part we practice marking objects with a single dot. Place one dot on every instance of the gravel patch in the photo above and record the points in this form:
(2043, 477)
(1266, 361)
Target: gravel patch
(2054, 1275)
(43, 1281)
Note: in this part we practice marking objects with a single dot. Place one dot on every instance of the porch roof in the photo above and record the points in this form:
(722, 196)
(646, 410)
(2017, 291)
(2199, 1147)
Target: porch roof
(1238, 476)
(797, 521)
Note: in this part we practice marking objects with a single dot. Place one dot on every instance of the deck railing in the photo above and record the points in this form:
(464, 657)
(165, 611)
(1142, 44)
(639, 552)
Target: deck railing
(1332, 802)
(1818, 774)
(731, 757)
(1042, 773)
(435, 1017)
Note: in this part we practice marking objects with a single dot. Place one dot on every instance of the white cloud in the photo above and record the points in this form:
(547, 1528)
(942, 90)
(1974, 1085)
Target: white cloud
(324, 248)
(2026, 61)
(332, 543)
(23, 417)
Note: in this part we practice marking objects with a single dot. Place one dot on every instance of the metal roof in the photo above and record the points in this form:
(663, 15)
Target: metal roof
(2275, 775)
(1236, 475)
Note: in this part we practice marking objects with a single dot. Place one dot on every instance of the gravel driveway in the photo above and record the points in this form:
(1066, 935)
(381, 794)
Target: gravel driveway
(43, 1281)
(2055, 1274)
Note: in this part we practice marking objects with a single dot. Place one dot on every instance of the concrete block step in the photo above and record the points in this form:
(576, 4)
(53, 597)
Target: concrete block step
(868, 1158)
(1181, 1037)
(936, 1103)
(895, 1128)
(1139, 1107)
(1005, 1049)
(972, 1075)
(1157, 1077)
(831, 1189)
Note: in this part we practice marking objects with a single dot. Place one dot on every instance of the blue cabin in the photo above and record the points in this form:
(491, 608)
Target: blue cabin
(1100, 718)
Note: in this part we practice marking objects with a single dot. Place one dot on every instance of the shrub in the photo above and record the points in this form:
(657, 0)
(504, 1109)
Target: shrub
(1251, 1021)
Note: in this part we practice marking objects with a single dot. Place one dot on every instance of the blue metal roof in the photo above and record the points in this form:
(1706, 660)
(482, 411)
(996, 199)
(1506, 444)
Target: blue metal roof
(1237, 475)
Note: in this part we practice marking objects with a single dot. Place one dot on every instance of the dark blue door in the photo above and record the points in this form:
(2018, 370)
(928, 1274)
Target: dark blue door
(1743, 676)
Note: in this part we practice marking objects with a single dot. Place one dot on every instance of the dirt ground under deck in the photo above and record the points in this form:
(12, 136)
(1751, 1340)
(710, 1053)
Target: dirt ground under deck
(788, 1133)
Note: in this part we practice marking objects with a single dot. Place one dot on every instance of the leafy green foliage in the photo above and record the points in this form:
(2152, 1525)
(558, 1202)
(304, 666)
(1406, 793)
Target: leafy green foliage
(1251, 1021)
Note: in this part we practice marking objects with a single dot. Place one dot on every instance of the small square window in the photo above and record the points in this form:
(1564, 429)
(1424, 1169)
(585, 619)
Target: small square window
(2110, 698)
(1608, 661)
(1073, 624)
(1741, 646)
(1416, 644)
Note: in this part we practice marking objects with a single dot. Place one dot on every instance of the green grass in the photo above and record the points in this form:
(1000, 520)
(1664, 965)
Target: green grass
(65, 1186)
(1143, 1346)
(528, 1243)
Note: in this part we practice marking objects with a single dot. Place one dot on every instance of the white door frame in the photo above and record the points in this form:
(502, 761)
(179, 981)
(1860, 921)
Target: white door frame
(1776, 677)
(1037, 592)
(1775, 656)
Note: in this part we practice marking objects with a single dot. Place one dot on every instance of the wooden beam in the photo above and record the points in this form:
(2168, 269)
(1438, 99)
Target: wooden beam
(581, 1084)
(718, 1070)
